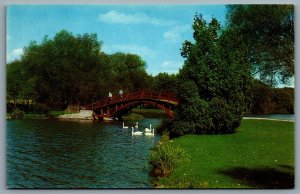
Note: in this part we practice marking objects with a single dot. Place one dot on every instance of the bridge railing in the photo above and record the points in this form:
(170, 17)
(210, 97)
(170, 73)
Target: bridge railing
(134, 95)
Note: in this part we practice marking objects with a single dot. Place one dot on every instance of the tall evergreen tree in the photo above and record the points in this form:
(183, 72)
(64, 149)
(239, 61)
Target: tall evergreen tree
(211, 83)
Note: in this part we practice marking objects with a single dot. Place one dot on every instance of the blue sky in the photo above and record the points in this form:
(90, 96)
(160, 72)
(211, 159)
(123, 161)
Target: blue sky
(154, 32)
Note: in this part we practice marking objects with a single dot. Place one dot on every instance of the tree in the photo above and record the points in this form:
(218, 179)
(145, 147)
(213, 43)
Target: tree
(266, 32)
(70, 71)
(165, 82)
(128, 71)
(15, 80)
(65, 68)
(270, 100)
(19, 84)
(211, 83)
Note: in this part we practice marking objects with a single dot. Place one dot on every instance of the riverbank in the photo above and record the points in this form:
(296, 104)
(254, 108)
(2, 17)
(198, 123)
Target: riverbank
(50, 115)
(135, 115)
(259, 155)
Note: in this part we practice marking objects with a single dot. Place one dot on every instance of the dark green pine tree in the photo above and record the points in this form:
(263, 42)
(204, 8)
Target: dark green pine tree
(211, 84)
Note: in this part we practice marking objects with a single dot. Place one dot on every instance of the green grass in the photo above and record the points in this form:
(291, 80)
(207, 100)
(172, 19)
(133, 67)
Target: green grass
(51, 114)
(35, 116)
(132, 117)
(150, 112)
(259, 155)
(59, 112)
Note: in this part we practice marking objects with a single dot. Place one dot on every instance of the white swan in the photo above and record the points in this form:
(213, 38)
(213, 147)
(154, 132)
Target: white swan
(136, 125)
(147, 130)
(136, 132)
(150, 133)
(125, 127)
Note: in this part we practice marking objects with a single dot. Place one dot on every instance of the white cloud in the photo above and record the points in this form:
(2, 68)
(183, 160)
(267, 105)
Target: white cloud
(174, 34)
(136, 18)
(14, 54)
(143, 51)
(171, 66)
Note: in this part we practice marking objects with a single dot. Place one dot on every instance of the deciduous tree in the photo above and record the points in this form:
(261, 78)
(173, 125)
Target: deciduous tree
(266, 32)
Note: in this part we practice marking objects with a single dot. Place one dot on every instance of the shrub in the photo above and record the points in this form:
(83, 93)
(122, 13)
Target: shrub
(17, 114)
(164, 157)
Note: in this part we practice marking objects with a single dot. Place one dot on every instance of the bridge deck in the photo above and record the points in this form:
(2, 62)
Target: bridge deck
(110, 106)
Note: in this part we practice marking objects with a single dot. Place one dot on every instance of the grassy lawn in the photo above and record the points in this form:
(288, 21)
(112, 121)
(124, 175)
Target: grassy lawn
(132, 117)
(150, 112)
(259, 155)
(60, 112)
(41, 115)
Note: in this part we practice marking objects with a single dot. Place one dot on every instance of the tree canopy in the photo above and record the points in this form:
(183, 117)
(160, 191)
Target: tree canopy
(266, 33)
(211, 83)
(71, 70)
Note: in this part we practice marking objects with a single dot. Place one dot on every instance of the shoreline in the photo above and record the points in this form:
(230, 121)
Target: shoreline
(269, 119)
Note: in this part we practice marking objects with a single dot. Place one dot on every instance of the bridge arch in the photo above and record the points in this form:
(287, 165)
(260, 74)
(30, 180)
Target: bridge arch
(116, 105)
(168, 110)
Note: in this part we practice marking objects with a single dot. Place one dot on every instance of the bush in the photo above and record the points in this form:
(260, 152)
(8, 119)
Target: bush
(17, 114)
(164, 157)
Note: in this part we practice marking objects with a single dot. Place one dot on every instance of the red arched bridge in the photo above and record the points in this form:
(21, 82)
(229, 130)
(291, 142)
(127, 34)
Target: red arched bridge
(117, 105)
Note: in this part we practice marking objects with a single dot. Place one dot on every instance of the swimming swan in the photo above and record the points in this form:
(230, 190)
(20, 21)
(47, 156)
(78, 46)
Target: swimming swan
(147, 130)
(136, 133)
(125, 127)
(150, 133)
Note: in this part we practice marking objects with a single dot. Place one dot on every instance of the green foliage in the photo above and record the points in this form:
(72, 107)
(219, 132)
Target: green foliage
(164, 139)
(150, 112)
(71, 70)
(19, 85)
(15, 80)
(17, 114)
(266, 33)
(164, 157)
(64, 68)
(132, 117)
(269, 100)
(212, 83)
(128, 71)
(57, 113)
(164, 81)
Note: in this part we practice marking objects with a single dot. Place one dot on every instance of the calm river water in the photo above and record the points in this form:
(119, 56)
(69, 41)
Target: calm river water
(70, 154)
